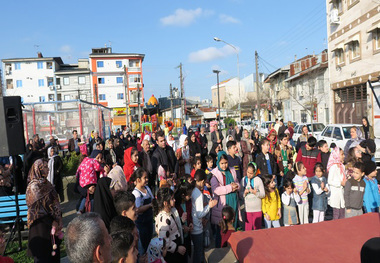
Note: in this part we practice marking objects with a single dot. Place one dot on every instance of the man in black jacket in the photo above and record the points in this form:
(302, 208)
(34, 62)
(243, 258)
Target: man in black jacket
(216, 138)
(163, 155)
(265, 160)
(73, 143)
(145, 161)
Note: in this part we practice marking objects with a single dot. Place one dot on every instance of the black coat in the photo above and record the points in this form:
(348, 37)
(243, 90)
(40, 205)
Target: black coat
(262, 164)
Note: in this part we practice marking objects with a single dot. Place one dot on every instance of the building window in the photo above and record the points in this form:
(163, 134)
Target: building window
(49, 65)
(19, 83)
(120, 96)
(66, 81)
(119, 63)
(17, 66)
(101, 80)
(351, 3)
(337, 4)
(100, 64)
(67, 97)
(42, 98)
(135, 78)
(51, 97)
(81, 80)
(9, 83)
(354, 50)
(102, 96)
(134, 63)
(376, 40)
(40, 65)
(339, 54)
(119, 79)
(41, 83)
(50, 81)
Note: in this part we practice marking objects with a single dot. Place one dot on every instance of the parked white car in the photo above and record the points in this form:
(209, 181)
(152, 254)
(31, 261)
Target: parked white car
(317, 129)
(264, 127)
(340, 134)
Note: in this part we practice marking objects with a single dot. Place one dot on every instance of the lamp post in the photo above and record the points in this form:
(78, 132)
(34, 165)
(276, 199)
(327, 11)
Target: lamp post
(217, 83)
(238, 69)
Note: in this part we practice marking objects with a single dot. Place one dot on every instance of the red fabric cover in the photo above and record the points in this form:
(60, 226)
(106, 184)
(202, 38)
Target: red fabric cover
(129, 165)
(330, 241)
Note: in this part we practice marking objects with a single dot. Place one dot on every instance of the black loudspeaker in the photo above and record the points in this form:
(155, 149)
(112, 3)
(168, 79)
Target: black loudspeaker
(12, 141)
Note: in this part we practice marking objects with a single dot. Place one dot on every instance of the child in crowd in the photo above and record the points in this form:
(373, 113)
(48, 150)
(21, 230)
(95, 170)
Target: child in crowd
(265, 161)
(125, 204)
(234, 159)
(252, 191)
(302, 184)
(336, 180)
(309, 155)
(165, 177)
(157, 250)
(323, 147)
(290, 199)
(272, 138)
(227, 224)
(199, 212)
(184, 207)
(284, 157)
(130, 162)
(144, 198)
(371, 192)
(169, 226)
(196, 164)
(209, 167)
(354, 156)
(122, 247)
(271, 205)
(320, 191)
(354, 192)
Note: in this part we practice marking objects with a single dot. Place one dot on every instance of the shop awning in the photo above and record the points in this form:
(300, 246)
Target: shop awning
(355, 38)
(375, 26)
(337, 47)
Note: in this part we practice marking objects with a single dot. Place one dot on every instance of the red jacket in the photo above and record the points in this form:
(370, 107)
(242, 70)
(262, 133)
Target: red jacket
(309, 159)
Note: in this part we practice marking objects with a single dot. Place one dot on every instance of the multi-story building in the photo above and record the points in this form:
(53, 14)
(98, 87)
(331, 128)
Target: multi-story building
(308, 89)
(33, 79)
(117, 80)
(354, 54)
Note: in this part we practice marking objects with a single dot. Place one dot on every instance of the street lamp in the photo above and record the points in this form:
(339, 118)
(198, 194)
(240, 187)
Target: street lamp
(238, 70)
(217, 81)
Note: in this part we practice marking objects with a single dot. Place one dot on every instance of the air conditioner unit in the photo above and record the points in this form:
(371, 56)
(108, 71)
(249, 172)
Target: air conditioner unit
(51, 87)
(334, 16)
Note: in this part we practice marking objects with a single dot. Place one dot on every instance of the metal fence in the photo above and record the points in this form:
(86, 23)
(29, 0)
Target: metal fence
(60, 118)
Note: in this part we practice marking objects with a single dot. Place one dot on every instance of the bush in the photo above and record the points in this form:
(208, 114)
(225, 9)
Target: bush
(227, 122)
(71, 163)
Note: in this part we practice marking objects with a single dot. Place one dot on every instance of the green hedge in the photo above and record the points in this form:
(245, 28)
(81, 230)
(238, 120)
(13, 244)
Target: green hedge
(70, 164)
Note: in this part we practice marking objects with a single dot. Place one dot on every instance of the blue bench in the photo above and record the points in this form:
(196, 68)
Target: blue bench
(8, 209)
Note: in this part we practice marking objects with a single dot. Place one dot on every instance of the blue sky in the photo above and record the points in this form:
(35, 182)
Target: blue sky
(169, 33)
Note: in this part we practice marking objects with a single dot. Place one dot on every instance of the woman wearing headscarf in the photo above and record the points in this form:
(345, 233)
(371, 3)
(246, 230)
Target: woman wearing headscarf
(356, 139)
(44, 212)
(118, 178)
(194, 146)
(367, 130)
(119, 151)
(55, 165)
(302, 140)
(183, 157)
(103, 201)
(130, 162)
(225, 187)
(272, 137)
(247, 147)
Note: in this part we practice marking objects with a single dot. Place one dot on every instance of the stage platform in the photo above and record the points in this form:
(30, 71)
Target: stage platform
(329, 241)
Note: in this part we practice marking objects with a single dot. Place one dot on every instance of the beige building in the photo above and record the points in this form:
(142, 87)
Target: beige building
(353, 29)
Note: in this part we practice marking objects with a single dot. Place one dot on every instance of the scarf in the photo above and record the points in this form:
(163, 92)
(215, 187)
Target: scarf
(118, 179)
(359, 138)
(50, 177)
(41, 197)
(129, 165)
(103, 201)
(231, 198)
(249, 148)
(272, 144)
(335, 159)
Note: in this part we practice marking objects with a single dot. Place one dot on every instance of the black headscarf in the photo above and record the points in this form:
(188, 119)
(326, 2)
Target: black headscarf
(103, 201)
(95, 153)
(194, 147)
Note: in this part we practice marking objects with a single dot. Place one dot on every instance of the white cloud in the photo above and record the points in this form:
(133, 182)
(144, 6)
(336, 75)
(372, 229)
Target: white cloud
(211, 53)
(225, 19)
(182, 17)
(66, 49)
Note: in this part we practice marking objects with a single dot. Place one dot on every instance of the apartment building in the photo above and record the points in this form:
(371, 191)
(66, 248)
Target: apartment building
(117, 80)
(33, 79)
(353, 29)
(308, 89)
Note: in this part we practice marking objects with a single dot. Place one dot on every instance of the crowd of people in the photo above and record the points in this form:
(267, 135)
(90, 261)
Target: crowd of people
(148, 200)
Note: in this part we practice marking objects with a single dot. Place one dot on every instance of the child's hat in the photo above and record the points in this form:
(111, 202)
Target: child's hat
(369, 167)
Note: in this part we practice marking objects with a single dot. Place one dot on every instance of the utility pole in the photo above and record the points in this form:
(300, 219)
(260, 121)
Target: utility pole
(138, 101)
(126, 96)
(171, 103)
(257, 86)
(183, 102)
